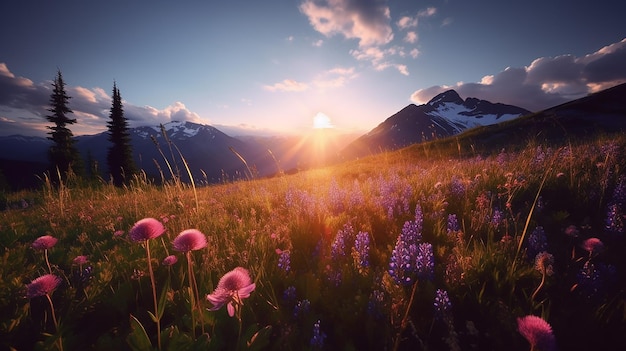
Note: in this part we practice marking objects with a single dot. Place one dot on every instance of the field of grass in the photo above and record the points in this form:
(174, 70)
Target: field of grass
(420, 249)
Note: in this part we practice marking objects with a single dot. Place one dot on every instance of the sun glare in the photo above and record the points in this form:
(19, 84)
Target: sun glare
(321, 121)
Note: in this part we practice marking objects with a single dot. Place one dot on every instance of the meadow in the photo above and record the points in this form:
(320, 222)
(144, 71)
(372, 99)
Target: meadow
(424, 248)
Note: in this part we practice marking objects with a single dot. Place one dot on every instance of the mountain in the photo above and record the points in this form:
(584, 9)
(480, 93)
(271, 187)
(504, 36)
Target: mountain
(444, 115)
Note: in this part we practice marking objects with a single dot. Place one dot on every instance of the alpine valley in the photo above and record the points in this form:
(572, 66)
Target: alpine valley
(213, 156)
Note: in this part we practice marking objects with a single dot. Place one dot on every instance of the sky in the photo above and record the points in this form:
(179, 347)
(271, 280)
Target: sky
(274, 65)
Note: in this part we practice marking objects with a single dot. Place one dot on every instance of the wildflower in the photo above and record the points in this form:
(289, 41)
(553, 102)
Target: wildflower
(376, 304)
(360, 251)
(402, 262)
(44, 242)
(42, 286)
(537, 242)
(593, 246)
(453, 224)
(289, 295)
(284, 261)
(80, 260)
(145, 229)
(443, 306)
(497, 218)
(594, 279)
(189, 240)
(118, 233)
(615, 221)
(301, 308)
(538, 333)
(169, 260)
(572, 231)
(232, 288)
(317, 341)
(425, 261)
(544, 262)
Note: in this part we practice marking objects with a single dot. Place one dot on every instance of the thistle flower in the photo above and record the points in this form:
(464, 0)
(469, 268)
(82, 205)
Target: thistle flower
(145, 229)
(42, 286)
(538, 333)
(169, 260)
(231, 289)
(189, 240)
(593, 246)
(44, 242)
(544, 262)
(80, 260)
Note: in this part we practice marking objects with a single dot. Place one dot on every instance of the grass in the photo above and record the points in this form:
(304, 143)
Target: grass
(327, 293)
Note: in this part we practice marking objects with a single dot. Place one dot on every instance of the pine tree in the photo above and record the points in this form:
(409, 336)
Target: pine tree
(120, 155)
(63, 155)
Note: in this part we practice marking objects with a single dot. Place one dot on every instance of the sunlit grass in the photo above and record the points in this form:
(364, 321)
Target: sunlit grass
(484, 261)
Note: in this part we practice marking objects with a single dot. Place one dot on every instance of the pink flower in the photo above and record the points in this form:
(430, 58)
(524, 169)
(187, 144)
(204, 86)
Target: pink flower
(43, 285)
(79, 260)
(44, 242)
(145, 229)
(188, 240)
(232, 288)
(593, 245)
(537, 331)
(169, 260)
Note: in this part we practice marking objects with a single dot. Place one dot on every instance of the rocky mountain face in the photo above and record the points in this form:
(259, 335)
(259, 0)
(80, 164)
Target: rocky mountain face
(444, 115)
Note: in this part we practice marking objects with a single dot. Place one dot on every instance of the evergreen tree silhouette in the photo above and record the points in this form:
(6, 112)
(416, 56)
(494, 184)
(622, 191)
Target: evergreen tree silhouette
(63, 155)
(120, 154)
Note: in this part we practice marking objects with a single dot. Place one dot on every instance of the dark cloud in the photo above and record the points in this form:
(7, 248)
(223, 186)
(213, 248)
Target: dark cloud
(546, 82)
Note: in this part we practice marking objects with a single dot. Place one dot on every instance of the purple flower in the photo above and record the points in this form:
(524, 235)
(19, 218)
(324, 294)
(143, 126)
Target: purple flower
(43, 285)
(453, 224)
(169, 260)
(189, 240)
(284, 261)
(145, 229)
(538, 333)
(537, 242)
(443, 306)
(317, 341)
(301, 308)
(361, 250)
(44, 242)
(425, 261)
(233, 287)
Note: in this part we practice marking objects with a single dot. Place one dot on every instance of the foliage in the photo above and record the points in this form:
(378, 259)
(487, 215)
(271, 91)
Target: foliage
(504, 234)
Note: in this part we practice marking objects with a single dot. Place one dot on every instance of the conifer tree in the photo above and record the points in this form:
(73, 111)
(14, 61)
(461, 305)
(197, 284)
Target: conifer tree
(63, 154)
(120, 154)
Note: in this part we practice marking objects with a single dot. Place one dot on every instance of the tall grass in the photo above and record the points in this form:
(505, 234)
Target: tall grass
(487, 216)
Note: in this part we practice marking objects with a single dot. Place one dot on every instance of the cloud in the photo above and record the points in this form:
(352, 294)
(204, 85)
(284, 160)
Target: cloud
(545, 82)
(380, 57)
(24, 105)
(411, 37)
(286, 86)
(365, 20)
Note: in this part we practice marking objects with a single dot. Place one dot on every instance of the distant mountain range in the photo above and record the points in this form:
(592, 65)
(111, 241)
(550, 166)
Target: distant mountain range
(444, 115)
(214, 156)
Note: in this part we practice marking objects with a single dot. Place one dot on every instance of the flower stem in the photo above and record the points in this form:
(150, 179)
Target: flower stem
(405, 318)
(192, 300)
(154, 297)
(45, 252)
(56, 323)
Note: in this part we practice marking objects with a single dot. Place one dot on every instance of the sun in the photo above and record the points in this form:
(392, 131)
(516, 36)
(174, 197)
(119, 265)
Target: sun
(321, 121)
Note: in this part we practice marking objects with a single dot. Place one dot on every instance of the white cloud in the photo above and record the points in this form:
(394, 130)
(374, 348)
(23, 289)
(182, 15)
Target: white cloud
(367, 21)
(286, 86)
(411, 37)
(407, 22)
(545, 82)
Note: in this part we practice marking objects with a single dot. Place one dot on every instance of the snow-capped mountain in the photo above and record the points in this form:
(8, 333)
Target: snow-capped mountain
(444, 115)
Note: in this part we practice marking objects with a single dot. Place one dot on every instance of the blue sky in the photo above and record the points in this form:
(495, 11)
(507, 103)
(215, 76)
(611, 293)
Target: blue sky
(273, 65)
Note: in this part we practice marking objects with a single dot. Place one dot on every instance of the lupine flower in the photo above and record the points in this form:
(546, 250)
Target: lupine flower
(593, 246)
(44, 242)
(538, 333)
(233, 287)
(594, 278)
(497, 218)
(537, 242)
(301, 308)
(615, 219)
(361, 250)
(453, 224)
(146, 229)
(284, 261)
(425, 262)
(375, 305)
(317, 341)
(169, 260)
(443, 306)
(42, 286)
(402, 262)
(289, 294)
(189, 240)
